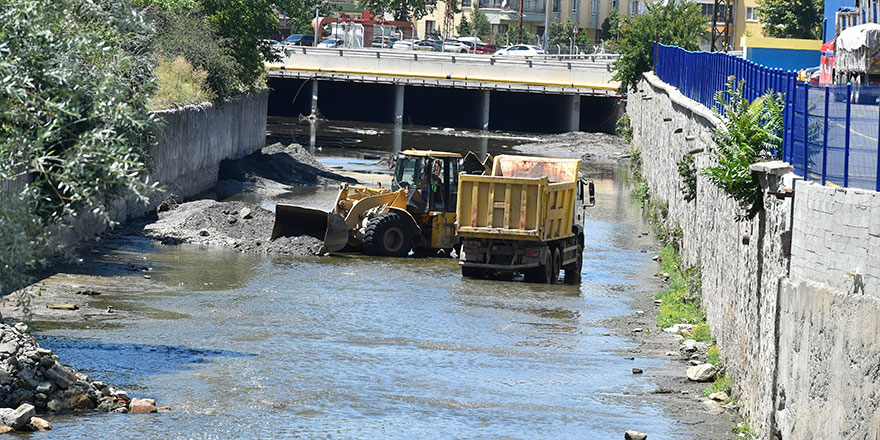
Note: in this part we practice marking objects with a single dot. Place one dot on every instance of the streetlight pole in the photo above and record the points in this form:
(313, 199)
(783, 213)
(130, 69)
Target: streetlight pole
(519, 35)
(317, 27)
(546, 24)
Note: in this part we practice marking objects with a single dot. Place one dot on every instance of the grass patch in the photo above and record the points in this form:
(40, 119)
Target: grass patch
(722, 383)
(179, 84)
(713, 356)
(680, 299)
(744, 431)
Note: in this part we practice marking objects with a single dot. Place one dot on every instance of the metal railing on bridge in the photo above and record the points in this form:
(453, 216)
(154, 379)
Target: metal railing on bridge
(837, 143)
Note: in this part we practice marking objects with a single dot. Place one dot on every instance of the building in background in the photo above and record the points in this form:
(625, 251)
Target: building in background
(503, 16)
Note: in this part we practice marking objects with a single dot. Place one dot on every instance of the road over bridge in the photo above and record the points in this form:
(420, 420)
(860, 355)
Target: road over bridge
(554, 84)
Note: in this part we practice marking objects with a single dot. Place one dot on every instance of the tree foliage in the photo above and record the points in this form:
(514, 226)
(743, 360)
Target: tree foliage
(560, 32)
(672, 23)
(750, 134)
(75, 76)
(404, 10)
(791, 18)
(611, 25)
(477, 25)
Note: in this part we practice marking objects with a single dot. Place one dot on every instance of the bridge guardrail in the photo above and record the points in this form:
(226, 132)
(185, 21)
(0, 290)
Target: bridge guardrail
(416, 55)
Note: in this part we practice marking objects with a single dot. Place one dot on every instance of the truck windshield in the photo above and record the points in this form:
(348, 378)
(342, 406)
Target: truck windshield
(407, 174)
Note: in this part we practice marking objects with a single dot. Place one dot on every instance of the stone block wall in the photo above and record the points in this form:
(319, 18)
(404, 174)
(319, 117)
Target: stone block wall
(792, 296)
(836, 239)
(192, 142)
(741, 260)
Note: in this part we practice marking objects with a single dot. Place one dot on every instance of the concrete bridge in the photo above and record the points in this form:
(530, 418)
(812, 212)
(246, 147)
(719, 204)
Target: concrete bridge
(547, 85)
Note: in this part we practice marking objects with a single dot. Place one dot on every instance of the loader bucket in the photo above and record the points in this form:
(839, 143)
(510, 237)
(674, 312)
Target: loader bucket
(294, 221)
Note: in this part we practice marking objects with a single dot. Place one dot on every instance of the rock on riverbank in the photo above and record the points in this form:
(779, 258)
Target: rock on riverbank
(32, 380)
(241, 226)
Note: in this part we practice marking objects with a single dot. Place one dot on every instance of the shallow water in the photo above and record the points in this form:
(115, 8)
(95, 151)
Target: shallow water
(360, 347)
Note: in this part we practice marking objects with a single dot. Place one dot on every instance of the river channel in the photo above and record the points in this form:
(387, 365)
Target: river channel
(246, 346)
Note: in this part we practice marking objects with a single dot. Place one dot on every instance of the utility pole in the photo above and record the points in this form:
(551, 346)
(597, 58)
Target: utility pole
(317, 27)
(546, 25)
(721, 42)
(519, 35)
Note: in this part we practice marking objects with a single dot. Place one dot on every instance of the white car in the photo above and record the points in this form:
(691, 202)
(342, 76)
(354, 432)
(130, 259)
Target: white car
(403, 45)
(455, 46)
(521, 50)
(331, 42)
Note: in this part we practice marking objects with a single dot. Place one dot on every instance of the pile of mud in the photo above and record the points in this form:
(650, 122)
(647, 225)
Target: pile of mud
(273, 170)
(589, 146)
(241, 226)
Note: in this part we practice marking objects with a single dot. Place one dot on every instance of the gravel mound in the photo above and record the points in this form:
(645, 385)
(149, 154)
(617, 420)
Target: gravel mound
(273, 170)
(241, 226)
(589, 146)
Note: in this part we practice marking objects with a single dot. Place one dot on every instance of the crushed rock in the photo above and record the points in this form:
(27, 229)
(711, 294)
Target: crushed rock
(210, 222)
(590, 146)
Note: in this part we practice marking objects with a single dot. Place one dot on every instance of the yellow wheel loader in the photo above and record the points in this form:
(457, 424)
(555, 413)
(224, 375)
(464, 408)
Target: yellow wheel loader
(417, 213)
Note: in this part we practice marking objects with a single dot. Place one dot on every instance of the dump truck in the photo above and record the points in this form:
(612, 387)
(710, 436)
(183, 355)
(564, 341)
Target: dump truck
(417, 213)
(526, 217)
(856, 60)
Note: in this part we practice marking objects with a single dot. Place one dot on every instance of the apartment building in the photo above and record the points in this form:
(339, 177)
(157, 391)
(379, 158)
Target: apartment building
(588, 14)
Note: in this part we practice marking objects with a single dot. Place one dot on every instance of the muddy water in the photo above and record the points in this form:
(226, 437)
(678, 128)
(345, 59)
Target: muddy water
(356, 347)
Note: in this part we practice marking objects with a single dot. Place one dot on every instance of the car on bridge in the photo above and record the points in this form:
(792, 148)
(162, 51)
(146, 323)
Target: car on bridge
(404, 45)
(332, 43)
(383, 42)
(455, 46)
(521, 50)
(300, 40)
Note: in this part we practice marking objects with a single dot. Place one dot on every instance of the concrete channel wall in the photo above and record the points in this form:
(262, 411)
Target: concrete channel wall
(789, 339)
(191, 143)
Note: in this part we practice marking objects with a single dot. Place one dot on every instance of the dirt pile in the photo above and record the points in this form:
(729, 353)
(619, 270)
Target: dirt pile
(273, 170)
(590, 146)
(241, 226)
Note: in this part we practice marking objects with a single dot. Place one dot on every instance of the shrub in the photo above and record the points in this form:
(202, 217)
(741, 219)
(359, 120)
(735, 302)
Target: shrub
(179, 84)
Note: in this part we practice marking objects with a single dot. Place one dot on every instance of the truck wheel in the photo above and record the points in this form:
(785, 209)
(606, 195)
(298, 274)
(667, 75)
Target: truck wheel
(556, 266)
(388, 235)
(473, 272)
(573, 270)
(543, 274)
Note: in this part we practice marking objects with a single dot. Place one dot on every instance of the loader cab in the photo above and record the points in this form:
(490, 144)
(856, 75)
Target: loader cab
(431, 177)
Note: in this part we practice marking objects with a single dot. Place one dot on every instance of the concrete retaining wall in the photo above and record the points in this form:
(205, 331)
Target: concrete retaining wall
(755, 311)
(191, 144)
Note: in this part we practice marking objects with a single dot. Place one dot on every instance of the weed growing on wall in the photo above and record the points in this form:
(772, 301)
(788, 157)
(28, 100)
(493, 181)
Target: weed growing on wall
(687, 170)
(750, 133)
(624, 129)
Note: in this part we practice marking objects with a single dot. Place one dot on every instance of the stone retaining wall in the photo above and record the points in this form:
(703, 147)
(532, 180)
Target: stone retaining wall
(755, 311)
(186, 159)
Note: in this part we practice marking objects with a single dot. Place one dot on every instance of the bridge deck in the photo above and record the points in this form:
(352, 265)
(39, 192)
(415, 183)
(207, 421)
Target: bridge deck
(568, 75)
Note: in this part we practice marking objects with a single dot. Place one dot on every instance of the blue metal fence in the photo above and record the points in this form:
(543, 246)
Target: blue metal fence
(838, 142)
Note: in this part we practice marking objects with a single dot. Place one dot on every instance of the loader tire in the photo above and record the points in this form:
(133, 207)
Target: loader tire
(388, 235)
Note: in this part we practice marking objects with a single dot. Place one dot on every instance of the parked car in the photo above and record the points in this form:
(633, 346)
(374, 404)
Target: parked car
(521, 50)
(332, 42)
(435, 45)
(455, 46)
(300, 40)
(487, 48)
(384, 42)
(404, 45)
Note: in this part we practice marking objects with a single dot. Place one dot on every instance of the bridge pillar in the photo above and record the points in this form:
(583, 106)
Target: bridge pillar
(574, 113)
(398, 105)
(314, 96)
(484, 109)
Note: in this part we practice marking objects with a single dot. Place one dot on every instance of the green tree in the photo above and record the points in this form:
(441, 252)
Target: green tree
(404, 10)
(477, 25)
(75, 76)
(611, 25)
(791, 18)
(560, 32)
(673, 23)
